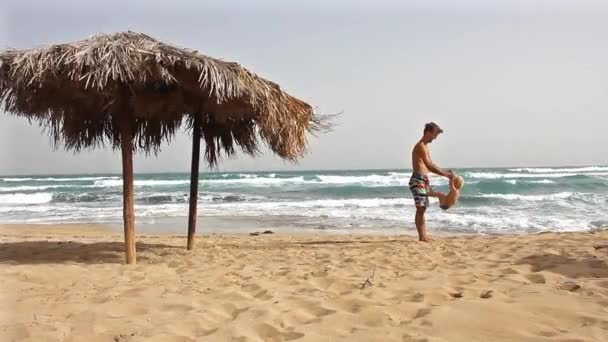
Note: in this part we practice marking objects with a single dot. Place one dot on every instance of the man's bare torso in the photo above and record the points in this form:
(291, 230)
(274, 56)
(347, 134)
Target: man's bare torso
(418, 156)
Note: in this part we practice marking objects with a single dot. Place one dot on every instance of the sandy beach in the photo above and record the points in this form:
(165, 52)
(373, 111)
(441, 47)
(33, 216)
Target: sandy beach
(69, 283)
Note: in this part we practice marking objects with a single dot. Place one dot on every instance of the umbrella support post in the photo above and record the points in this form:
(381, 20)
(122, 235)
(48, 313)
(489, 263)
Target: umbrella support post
(127, 193)
(196, 150)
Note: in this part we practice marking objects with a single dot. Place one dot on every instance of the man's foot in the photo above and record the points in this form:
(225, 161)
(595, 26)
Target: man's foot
(424, 239)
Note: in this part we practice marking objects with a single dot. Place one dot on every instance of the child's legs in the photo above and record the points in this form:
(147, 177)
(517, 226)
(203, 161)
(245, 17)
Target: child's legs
(433, 193)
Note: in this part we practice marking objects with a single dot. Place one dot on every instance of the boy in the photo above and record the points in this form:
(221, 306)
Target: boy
(446, 201)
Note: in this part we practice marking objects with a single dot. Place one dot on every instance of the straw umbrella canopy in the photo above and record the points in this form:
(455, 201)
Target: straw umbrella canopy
(131, 92)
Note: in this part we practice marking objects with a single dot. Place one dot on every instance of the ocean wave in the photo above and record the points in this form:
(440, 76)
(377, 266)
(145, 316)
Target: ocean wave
(561, 170)
(165, 198)
(256, 181)
(516, 181)
(497, 175)
(328, 203)
(272, 180)
(393, 179)
(545, 197)
(152, 182)
(37, 188)
(370, 180)
(63, 197)
(503, 200)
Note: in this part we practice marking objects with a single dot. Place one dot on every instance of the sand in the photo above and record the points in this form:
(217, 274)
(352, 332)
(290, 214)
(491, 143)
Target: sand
(69, 283)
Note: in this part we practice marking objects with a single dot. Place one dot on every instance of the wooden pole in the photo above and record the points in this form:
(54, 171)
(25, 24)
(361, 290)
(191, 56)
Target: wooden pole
(196, 151)
(126, 139)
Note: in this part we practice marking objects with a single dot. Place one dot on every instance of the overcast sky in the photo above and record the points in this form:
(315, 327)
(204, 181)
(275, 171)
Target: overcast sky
(512, 82)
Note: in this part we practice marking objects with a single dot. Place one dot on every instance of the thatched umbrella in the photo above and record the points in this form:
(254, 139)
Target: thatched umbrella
(132, 91)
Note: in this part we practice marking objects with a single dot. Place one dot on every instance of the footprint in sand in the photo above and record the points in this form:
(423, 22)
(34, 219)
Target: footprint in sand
(536, 278)
(410, 338)
(603, 303)
(262, 295)
(448, 254)
(586, 321)
(508, 271)
(308, 312)
(257, 292)
(417, 298)
(234, 311)
(200, 332)
(281, 271)
(514, 249)
(422, 312)
(114, 310)
(333, 285)
(179, 308)
(269, 333)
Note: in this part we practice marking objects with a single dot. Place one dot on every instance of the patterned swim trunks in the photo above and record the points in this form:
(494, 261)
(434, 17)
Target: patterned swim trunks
(420, 186)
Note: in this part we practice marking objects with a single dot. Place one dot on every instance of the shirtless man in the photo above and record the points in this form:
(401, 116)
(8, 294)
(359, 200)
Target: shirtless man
(419, 182)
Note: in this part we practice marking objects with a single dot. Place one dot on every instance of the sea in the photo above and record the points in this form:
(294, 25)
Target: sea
(493, 201)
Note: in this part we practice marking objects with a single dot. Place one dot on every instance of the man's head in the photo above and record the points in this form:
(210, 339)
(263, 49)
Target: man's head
(431, 131)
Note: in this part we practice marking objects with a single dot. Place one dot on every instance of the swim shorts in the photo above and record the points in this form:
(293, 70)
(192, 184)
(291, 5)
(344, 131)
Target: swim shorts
(419, 185)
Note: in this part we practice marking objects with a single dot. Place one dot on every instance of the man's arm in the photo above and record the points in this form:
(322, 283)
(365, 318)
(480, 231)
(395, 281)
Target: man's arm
(432, 167)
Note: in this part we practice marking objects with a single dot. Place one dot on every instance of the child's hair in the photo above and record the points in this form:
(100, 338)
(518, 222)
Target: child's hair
(458, 182)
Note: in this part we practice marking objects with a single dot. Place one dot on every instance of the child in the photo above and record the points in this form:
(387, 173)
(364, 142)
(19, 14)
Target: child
(448, 201)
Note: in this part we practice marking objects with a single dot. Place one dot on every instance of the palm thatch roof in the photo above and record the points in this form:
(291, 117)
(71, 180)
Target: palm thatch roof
(83, 92)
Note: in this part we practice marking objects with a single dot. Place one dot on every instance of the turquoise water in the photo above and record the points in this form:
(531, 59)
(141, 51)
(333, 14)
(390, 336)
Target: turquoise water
(492, 201)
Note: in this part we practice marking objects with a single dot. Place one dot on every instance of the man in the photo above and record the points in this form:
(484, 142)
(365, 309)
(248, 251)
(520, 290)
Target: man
(419, 182)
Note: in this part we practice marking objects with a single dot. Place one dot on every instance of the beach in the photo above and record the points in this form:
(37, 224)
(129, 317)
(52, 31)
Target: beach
(70, 283)
(346, 171)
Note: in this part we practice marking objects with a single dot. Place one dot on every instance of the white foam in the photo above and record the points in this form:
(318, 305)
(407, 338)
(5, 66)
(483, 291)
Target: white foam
(247, 175)
(54, 179)
(535, 198)
(16, 179)
(543, 181)
(507, 222)
(400, 174)
(38, 198)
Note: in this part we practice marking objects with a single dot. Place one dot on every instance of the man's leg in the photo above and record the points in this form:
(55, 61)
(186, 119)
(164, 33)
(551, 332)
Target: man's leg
(420, 224)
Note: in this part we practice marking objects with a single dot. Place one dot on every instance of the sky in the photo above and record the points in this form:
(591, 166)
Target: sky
(511, 82)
